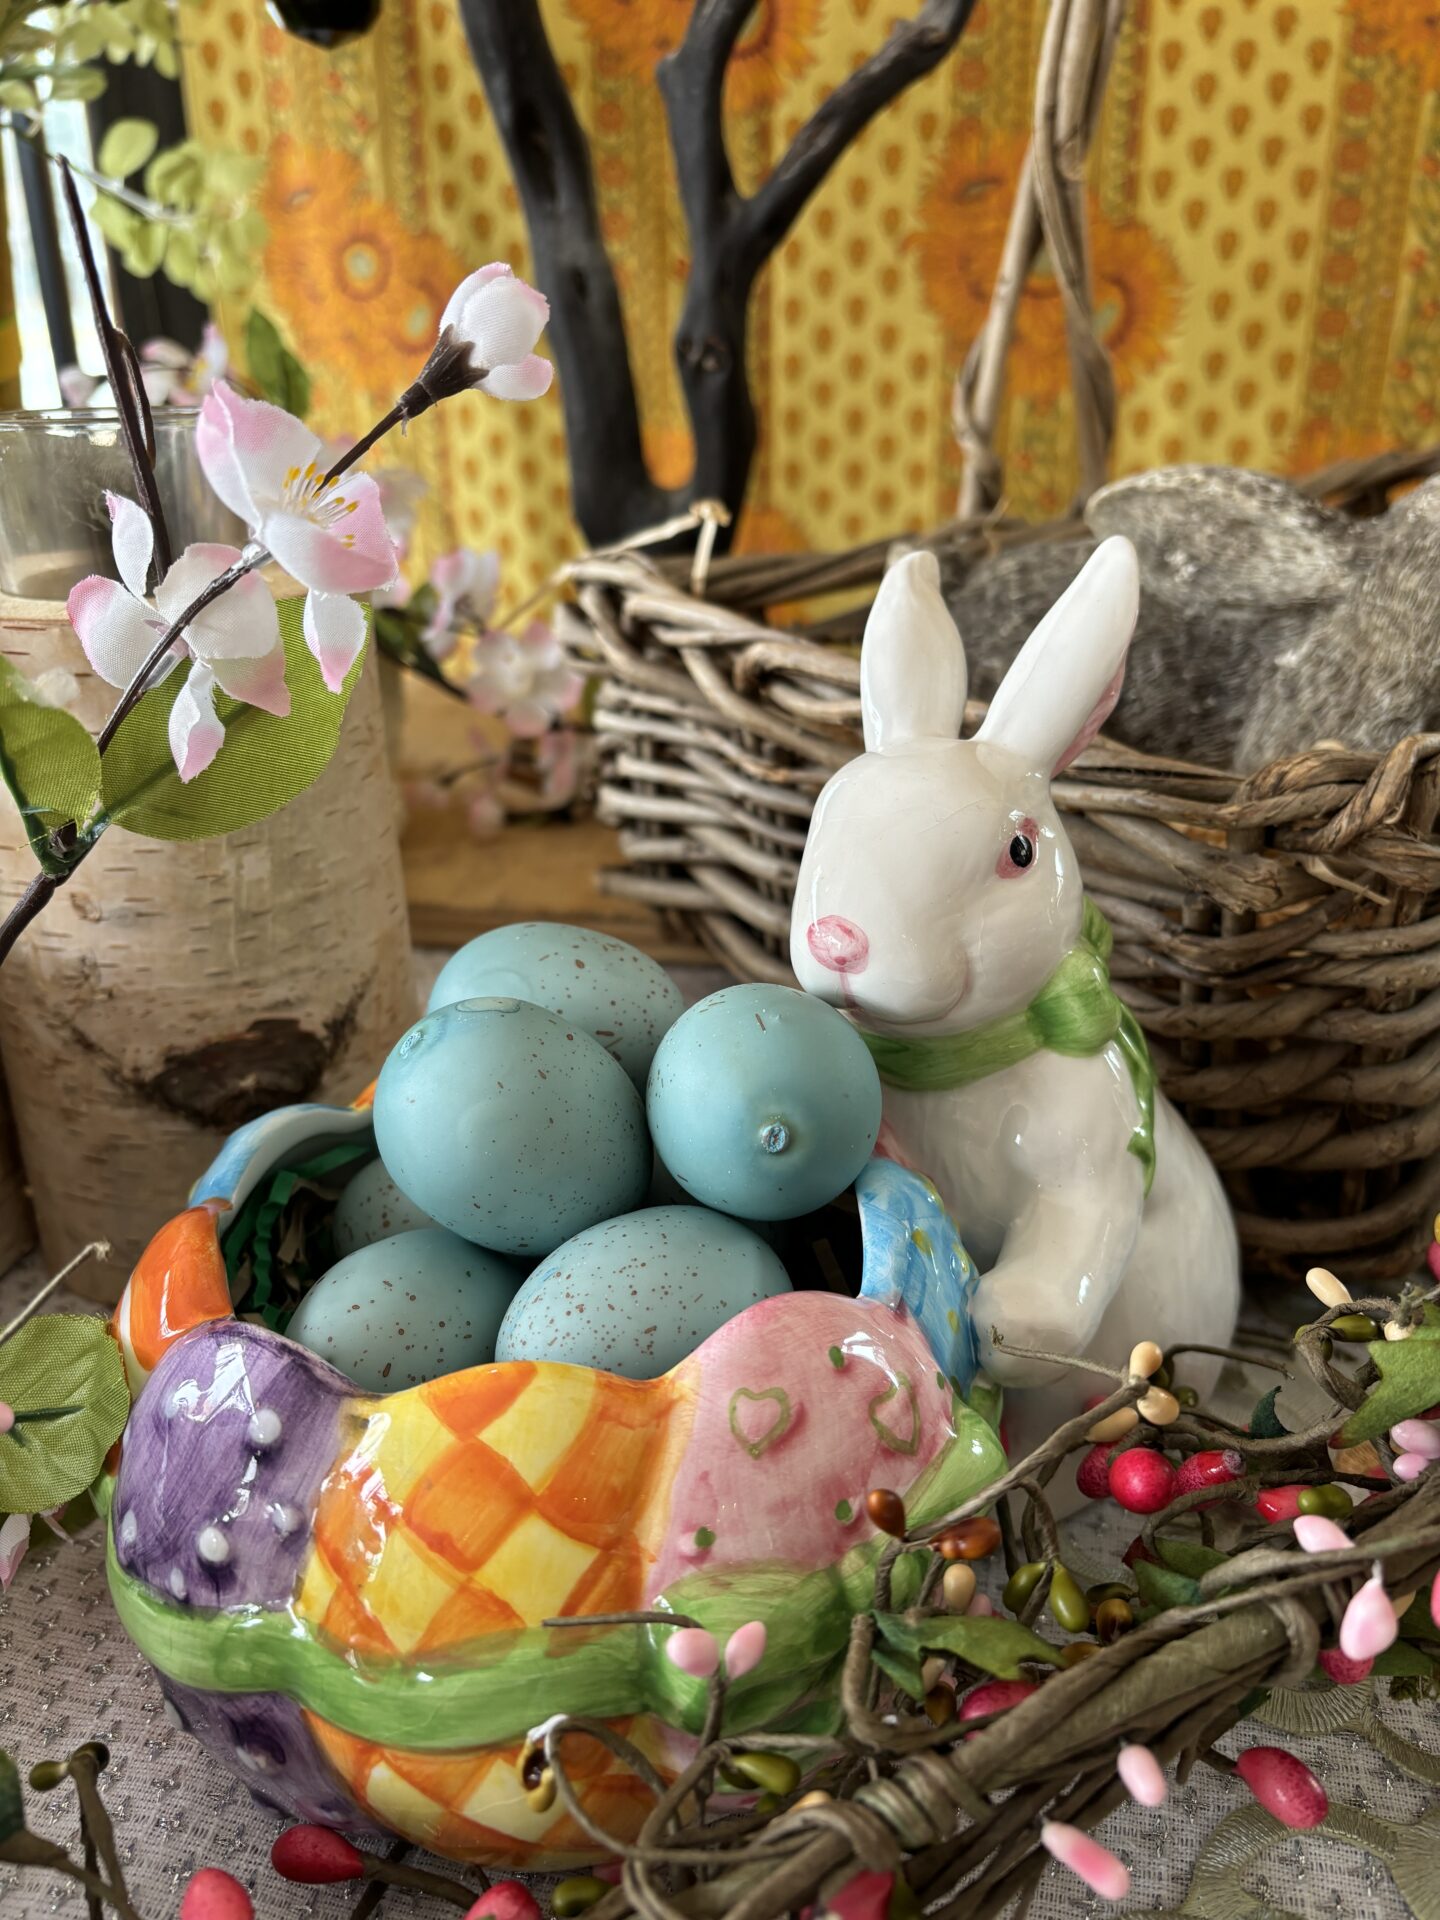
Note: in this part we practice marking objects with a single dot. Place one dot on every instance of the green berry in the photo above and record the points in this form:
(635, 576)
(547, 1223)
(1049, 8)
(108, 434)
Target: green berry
(1067, 1602)
(1021, 1584)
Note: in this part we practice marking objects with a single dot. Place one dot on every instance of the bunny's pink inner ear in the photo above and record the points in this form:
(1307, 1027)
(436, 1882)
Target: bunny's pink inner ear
(1098, 715)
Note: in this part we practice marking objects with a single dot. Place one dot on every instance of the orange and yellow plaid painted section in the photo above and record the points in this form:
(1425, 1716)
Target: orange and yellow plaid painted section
(493, 1499)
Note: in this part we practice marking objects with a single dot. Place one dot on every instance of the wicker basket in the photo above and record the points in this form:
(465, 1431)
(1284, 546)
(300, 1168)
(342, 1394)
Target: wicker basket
(1277, 935)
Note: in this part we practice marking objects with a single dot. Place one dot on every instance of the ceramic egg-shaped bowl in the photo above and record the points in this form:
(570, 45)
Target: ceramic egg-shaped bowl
(351, 1600)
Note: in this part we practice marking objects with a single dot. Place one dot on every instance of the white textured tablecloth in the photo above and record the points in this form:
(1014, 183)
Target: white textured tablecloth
(68, 1674)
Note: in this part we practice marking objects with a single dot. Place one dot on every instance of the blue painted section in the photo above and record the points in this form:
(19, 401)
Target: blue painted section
(914, 1258)
(261, 1145)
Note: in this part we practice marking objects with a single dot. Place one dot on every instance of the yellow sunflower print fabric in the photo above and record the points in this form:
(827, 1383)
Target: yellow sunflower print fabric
(1265, 200)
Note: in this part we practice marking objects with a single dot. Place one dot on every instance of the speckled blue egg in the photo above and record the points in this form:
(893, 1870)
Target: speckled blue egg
(633, 1296)
(763, 1102)
(373, 1208)
(613, 992)
(510, 1126)
(406, 1309)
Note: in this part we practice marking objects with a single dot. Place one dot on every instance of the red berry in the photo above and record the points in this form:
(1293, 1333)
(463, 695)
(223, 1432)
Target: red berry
(1283, 1785)
(994, 1696)
(1092, 1476)
(1277, 1504)
(1142, 1481)
(1211, 1469)
(1340, 1668)
(505, 1900)
(316, 1857)
(1137, 1550)
(213, 1895)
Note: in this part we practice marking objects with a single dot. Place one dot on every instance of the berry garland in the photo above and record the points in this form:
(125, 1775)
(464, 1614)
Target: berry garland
(975, 1748)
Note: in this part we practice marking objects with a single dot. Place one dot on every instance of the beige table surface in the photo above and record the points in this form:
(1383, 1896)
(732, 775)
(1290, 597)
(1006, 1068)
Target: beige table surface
(67, 1674)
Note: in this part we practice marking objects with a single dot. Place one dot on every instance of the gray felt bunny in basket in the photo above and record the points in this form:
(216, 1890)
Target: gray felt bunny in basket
(1267, 621)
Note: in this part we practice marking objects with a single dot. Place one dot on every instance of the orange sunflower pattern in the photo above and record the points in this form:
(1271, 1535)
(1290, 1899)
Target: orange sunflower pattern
(963, 215)
(1407, 30)
(360, 291)
(777, 45)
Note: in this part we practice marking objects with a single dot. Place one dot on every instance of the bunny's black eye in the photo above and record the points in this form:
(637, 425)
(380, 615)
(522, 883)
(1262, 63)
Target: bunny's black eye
(1018, 856)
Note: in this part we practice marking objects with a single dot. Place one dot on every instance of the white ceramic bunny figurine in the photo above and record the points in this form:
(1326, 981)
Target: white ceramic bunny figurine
(940, 903)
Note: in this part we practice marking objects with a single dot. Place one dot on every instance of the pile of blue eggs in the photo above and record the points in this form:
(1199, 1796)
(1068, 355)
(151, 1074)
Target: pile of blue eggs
(575, 1167)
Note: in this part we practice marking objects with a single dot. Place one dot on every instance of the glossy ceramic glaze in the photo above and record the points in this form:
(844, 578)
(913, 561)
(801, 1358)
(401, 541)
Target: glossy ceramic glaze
(940, 902)
(344, 1595)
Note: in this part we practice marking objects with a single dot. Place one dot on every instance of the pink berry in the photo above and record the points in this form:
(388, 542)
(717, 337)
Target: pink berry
(865, 1897)
(995, 1696)
(693, 1651)
(1410, 1466)
(745, 1649)
(1142, 1481)
(1435, 1600)
(1416, 1436)
(1211, 1469)
(505, 1900)
(1277, 1504)
(1283, 1785)
(7, 1416)
(1092, 1476)
(1319, 1534)
(1369, 1625)
(981, 1607)
(1141, 1775)
(1340, 1668)
(1086, 1859)
(213, 1895)
(316, 1857)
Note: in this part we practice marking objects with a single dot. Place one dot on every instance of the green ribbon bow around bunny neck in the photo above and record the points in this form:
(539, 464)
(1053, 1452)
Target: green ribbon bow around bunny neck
(1077, 1012)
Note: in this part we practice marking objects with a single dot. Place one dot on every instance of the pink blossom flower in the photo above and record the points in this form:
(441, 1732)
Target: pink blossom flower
(498, 318)
(1101, 1871)
(524, 679)
(745, 1649)
(267, 467)
(234, 643)
(1319, 1534)
(466, 584)
(693, 1651)
(1369, 1625)
(1141, 1775)
(557, 756)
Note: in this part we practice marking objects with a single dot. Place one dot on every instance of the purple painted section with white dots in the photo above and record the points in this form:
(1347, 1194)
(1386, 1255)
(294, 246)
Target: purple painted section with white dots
(263, 1737)
(223, 1461)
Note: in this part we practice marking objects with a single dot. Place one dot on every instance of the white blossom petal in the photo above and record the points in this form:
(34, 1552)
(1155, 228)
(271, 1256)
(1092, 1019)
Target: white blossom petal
(117, 631)
(472, 283)
(241, 624)
(527, 379)
(251, 452)
(14, 1540)
(501, 320)
(195, 730)
(334, 628)
(132, 540)
(261, 683)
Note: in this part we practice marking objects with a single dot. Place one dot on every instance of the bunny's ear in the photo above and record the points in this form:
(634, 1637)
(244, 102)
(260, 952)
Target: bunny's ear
(1068, 675)
(912, 665)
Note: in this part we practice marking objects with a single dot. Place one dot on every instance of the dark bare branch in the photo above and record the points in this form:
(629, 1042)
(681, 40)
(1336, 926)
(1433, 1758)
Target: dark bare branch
(550, 159)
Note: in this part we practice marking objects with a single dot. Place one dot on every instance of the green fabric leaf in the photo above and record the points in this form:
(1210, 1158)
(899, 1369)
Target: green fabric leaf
(1409, 1383)
(992, 1644)
(901, 1669)
(118, 223)
(1265, 1422)
(12, 1804)
(1162, 1587)
(63, 1375)
(273, 368)
(1189, 1557)
(1402, 1659)
(49, 763)
(127, 145)
(146, 250)
(262, 765)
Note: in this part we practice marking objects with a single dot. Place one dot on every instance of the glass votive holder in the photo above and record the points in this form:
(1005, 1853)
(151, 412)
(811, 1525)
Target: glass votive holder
(56, 466)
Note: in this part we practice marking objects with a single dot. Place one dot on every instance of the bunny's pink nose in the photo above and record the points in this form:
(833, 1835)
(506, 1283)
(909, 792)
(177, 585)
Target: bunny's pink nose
(838, 944)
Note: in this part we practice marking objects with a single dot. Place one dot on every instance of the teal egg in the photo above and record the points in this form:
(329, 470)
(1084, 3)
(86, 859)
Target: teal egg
(372, 1208)
(635, 1295)
(613, 992)
(510, 1126)
(406, 1309)
(763, 1102)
